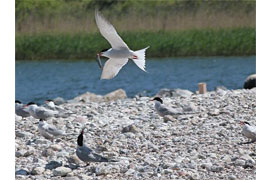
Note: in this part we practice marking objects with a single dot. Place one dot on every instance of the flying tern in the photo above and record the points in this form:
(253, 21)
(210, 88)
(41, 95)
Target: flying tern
(119, 54)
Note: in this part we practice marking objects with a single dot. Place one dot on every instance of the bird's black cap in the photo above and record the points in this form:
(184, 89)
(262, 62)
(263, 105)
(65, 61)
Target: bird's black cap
(17, 101)
(30, 103)
(80, 138)
(158, 99)
(104, 50)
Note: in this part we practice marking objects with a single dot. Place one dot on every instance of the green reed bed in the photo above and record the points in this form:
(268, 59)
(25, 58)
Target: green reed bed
(222, 42)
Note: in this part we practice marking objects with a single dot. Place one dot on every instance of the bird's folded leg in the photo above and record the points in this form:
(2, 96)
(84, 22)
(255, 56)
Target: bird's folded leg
(99, 62)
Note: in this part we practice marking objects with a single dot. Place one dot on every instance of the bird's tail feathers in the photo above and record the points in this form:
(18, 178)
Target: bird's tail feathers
(140, 62)
(70, 134)
(105, 159)
(102, 159)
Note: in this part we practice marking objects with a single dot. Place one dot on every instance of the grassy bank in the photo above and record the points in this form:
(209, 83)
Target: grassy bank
(72, 16)
(223, 42)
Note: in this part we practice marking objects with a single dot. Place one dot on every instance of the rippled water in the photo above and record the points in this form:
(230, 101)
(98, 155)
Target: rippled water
(40, 80)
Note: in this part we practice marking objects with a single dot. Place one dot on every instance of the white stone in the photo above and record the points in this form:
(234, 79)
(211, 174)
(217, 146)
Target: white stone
(38, 170)
(61, 171)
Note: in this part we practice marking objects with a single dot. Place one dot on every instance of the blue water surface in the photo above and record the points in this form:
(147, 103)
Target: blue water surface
(48, 79)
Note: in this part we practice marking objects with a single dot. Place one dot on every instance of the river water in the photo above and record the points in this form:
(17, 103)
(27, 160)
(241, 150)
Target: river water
(40, 80)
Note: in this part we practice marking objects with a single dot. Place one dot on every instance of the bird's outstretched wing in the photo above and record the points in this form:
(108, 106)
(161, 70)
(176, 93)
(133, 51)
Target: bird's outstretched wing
(112, 67)
(107, 30)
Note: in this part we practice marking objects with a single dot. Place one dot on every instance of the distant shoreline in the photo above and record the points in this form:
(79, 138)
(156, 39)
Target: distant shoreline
(84, 45)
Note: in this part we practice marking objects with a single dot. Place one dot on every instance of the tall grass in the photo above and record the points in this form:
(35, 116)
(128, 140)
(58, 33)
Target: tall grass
(66, 29)
(203, 42)
(73, 16)
(135, 22)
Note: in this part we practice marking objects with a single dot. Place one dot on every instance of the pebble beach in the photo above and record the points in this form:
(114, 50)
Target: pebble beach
(203, 143)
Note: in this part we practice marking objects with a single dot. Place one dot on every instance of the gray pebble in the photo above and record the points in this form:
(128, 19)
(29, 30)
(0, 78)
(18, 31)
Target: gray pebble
(23, 134)
(53, 164)
(61, 171)
(21, 172)
(240, 162)
(20, 153)
(232, 177)
(37, 170)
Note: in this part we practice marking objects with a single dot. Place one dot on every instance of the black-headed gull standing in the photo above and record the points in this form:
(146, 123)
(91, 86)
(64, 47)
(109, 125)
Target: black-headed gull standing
(120, 53)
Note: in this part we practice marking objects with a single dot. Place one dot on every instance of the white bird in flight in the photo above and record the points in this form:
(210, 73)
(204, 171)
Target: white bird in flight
(120, 53)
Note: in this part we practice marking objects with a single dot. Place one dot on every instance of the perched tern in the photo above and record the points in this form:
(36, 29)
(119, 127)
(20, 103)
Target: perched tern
(40, 112)
(61, 112)
(163, 110)
(248, 130)
(119, 54)
(49, 131)
(86, 154)
(49, 104)
(21, 110)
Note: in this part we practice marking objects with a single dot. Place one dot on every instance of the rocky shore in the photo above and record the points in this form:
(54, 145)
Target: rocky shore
(204, 144)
